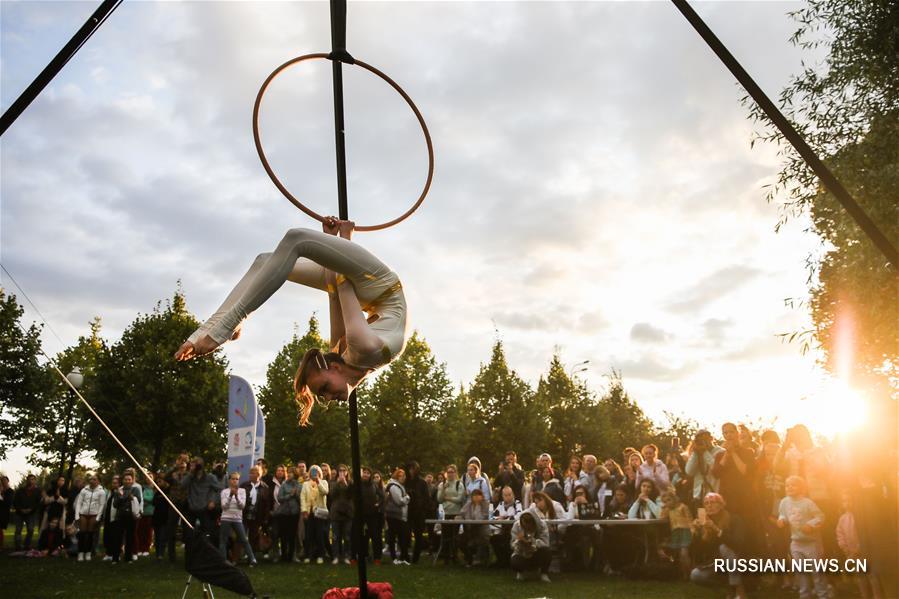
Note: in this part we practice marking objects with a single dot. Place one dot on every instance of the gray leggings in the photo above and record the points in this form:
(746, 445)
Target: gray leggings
(812, 584)
(302, 257)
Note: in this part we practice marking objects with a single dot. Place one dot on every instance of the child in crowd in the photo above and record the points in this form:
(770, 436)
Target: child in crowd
(476, 537)
(805, 520)
(770, 488)
(52, 541)
(679, 520)
(847, 539)
(71, 541)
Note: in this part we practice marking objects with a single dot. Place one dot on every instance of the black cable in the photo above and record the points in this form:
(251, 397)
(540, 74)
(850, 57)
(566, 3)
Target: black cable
(827, 178)
(59, 61)
(111, 405)
(33, 307)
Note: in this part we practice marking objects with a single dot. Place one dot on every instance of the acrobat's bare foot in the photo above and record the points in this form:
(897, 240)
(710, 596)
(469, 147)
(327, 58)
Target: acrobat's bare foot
(205, 345)
(190, 350)
(185, 352)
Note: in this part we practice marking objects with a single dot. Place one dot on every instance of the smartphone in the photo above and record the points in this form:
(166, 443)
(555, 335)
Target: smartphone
(675, 443)
(700, 513)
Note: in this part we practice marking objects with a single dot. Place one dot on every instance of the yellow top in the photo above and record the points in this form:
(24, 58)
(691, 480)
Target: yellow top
(679, 517)
(313, 496)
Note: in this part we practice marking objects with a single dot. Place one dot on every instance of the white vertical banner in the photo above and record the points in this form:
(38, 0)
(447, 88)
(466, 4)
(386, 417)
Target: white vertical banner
(259, 450)
(242, 415)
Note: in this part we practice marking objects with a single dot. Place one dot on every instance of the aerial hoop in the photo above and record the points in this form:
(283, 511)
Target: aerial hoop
(290, 196)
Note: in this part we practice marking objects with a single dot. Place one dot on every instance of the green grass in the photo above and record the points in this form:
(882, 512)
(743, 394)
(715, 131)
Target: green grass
(50, 578)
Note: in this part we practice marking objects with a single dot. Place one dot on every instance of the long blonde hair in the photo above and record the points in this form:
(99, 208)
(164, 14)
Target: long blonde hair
(314, 360)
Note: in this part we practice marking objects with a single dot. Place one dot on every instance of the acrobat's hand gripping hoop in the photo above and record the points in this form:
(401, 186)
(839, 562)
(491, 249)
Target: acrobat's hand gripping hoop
(283, 188)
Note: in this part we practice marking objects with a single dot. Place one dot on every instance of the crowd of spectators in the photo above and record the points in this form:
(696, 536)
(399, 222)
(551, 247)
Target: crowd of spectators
(745, 495)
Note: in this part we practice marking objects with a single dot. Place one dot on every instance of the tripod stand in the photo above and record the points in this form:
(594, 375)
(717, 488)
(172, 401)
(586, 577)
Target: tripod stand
(206, 588)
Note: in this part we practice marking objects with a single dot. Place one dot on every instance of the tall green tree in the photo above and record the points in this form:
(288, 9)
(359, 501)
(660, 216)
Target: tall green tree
(455, 429)
(855, 302)
(573, 413)
(503, 414)
(847, 108)
(326, 437)
(622, 423)
(159, 407)
(24, 383)
(58, 439)
(406, 410)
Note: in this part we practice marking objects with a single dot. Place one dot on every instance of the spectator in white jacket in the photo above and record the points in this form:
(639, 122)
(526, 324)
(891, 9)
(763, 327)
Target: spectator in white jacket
(508, 508)
(652, 468)
(234, 499)
(88, 513)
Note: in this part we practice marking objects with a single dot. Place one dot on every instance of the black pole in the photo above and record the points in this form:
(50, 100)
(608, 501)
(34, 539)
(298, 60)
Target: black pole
(339, 137)
(780, 121)
(339, 55)
(65, 436)
(56, 65)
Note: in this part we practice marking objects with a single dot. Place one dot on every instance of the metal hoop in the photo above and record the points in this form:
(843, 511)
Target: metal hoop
(290, 196)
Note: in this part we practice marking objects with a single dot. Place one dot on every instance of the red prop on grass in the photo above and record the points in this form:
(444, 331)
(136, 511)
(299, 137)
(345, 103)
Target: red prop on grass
(376, 590)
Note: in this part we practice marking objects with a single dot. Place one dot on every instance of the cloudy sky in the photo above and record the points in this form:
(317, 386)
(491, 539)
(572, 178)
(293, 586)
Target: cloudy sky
(594, 190)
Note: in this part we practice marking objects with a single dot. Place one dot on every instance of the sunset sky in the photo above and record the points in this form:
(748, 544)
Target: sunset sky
(594, 190)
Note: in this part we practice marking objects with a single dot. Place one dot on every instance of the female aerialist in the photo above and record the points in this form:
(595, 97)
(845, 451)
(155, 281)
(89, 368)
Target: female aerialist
(355, 280)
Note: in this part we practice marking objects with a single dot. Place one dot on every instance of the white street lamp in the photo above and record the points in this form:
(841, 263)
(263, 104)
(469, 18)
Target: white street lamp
(75, 377)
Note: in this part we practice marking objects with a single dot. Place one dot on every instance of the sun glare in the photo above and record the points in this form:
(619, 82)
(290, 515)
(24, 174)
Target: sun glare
(836, 409)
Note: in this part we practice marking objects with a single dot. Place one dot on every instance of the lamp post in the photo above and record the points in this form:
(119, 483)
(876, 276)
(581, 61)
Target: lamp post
(76, 379)
(578, 368)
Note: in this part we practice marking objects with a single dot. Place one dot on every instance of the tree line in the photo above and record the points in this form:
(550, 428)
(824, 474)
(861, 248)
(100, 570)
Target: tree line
(847, 108)
(410, 410)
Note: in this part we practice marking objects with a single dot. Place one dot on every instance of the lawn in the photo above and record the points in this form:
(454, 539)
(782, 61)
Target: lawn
(148, 578)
